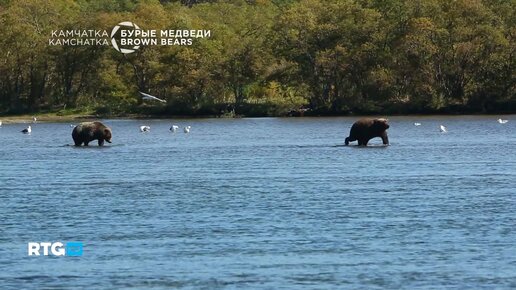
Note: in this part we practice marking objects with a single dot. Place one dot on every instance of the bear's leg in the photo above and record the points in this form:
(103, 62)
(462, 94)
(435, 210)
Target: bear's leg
(350, 139)
(101, 142)
(362, 142)
(385, 139)
(77, 143)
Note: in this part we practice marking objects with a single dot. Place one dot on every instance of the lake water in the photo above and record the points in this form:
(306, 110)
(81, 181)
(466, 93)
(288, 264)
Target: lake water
(262, 203)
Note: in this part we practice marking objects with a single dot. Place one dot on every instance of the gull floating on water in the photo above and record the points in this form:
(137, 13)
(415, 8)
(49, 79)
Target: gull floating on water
(151, 98)
(502, 121)
(443, 129)
(0, 123)
(27, 130)
(417, 124)
(34, 119)
(187, 129)
(174, 128)
(144, 128)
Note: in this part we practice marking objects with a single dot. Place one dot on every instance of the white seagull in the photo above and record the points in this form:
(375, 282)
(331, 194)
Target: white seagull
(0, 123)
(174, 128)
(27, 130)
(502, 121)
(144, 128)
(187, 129)
(34, 119)
(151, 98)
(443, 129)
(417, 124)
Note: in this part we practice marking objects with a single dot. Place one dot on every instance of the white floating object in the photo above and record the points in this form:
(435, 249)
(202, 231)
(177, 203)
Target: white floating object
(417, 124)
(0, 123)
(174, 128)
(443, 129)
(34, 119)
(151, 98)
(144, 129)
(502, 121)
(27, 130)
(187, 129)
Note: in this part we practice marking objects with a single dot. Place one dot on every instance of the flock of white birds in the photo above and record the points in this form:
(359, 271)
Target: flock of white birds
(27, 130)
(443, 129)
(143, 129)
(173, 129)
(186, 130)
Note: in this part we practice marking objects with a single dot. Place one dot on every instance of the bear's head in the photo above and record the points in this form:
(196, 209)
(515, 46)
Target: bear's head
(380, 124)
(107, 135)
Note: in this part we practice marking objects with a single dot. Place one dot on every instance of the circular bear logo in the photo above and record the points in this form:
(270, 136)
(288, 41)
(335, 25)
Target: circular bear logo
(118, 41)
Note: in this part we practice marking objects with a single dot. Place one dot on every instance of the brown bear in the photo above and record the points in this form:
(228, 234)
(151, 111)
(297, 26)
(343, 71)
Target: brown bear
(365, 129)
(88, 131)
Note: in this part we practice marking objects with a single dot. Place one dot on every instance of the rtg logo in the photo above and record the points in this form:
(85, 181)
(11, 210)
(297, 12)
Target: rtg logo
(72, 249)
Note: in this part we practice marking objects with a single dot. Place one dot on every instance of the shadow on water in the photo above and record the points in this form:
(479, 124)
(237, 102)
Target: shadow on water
(307, 146)
(375, 146)
(95, 146)
(334, 146)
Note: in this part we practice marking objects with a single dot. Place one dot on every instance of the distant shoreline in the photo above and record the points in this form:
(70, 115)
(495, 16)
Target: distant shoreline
(76, 118)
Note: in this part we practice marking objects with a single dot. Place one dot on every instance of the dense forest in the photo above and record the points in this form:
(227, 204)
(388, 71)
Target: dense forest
(264, 57)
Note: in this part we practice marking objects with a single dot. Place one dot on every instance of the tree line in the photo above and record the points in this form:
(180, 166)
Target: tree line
(265, 57)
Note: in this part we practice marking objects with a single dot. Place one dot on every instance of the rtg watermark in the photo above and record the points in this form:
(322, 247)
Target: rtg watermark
(127, 37)
(70, 249)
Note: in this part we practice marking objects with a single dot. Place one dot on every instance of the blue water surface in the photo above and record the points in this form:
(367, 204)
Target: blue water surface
(270, 203)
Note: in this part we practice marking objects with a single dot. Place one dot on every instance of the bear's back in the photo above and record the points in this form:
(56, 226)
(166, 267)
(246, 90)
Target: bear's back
(361, 126)
(87, 129)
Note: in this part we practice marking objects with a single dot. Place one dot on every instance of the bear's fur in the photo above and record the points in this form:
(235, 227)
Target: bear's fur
(366, 129)
(88, 131)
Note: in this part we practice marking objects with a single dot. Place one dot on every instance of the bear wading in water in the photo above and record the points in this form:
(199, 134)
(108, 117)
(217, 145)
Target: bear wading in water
(88, 131)
(366, 129)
